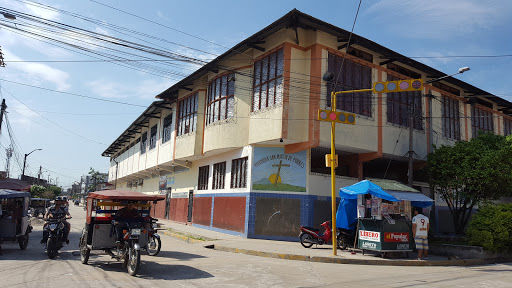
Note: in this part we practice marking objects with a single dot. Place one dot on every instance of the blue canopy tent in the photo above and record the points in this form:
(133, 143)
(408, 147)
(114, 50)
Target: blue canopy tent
(347, 209)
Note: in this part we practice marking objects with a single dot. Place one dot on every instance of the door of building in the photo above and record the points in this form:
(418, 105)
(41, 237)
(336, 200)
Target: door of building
(168, 203)
(190, 205)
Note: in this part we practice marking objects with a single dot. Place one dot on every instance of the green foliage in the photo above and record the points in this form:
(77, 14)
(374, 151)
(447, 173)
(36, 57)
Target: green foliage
(36, 191)
(471, 173)
(491, 228)
(49, 192)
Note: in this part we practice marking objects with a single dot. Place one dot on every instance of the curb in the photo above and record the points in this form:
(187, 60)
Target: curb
(183, 237)
(338, 260)
(335, 260)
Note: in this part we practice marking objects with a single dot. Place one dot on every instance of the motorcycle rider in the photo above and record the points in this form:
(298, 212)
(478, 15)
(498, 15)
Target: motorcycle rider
(126, 215)
(58, 211)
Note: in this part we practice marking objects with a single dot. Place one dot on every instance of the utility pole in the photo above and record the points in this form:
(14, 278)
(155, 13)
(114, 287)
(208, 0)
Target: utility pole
(39, 174)
(2, 110)
(411, 143)
(8, 162)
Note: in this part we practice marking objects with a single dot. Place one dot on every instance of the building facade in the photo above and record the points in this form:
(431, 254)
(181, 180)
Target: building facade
(236, 146)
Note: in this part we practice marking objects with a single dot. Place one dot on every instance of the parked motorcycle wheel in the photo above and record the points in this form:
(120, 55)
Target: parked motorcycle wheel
(306, 240)
(23, 241)
(84, 251)
(158, 245)
(133, 261)
(51, 248)
(342, 245)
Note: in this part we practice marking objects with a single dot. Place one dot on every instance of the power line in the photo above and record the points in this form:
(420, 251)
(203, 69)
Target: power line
(74, 94)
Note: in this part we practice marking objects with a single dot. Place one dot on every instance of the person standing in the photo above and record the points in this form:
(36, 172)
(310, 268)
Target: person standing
(420, 228)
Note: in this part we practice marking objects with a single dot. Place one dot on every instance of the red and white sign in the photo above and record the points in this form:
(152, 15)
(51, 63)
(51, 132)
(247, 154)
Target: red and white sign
(396, 237)
(369, 235)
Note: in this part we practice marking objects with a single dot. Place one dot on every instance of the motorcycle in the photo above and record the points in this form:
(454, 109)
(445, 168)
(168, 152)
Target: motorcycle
(154, 242)
(128, 250)
(345, 238)
(310, 235)
(55, 231)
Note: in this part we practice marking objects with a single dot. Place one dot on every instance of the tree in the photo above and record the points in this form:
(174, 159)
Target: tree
(471, 173)
(95, 176)
(36, 191)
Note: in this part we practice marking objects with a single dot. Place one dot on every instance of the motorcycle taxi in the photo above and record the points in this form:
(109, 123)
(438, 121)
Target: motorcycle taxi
(14, 218)
(100, 232)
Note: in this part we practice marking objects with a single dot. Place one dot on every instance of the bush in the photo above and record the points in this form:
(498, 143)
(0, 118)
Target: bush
(491, 228)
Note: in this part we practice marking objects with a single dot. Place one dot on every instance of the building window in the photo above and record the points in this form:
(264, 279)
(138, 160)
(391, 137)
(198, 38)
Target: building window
(350, 76)
(202, 181)
(268, 81)
(481, 120)
(219, 172)
(221, 99)
(143, 142)
(166, 131)
(398, 104)
(507, 126)
(451, 118)
(187, 120)
(152, 137)
(239, 173)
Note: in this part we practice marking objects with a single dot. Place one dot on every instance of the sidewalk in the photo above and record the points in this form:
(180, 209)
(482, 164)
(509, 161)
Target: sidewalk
(295, 251)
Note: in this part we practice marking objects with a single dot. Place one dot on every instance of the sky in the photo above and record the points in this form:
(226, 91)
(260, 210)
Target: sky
(72, 105)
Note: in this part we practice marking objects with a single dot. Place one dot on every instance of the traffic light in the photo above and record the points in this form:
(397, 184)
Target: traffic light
(338, 117)
(398, 86)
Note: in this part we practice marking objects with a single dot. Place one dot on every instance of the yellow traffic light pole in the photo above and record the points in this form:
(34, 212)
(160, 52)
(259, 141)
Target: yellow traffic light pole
(334, 165)
(378, 87)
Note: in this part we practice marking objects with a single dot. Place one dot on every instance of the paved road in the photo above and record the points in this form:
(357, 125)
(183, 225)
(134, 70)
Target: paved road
(191, 265)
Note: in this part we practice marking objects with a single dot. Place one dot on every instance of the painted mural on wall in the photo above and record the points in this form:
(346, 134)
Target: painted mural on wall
(273, 170)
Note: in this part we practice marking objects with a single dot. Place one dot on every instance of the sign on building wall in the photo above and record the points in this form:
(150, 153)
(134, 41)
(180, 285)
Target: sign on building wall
(165, 182)
(273, 170)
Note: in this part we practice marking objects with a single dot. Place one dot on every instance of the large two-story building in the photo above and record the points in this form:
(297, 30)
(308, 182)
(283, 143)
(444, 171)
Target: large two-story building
(236, 146)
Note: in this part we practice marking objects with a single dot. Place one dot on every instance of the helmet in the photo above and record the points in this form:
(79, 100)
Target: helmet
(58, 198)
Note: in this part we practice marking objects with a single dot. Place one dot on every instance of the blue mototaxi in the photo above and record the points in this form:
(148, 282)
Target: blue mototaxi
(14, 219)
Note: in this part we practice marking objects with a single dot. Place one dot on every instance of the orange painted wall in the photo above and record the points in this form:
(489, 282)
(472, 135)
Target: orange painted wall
(202, 212)
(179, 210)
(229, 213)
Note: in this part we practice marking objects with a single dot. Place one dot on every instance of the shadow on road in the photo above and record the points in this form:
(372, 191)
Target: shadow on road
(155, 271)
(177, 255)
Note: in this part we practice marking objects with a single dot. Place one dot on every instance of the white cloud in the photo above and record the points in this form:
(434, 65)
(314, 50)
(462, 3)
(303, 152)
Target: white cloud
(37, 73)
(23, 116)
(438, 18)
(146, 89)
(43, 13)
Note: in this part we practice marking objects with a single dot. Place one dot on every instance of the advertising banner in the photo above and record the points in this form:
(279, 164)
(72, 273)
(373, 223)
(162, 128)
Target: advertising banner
(369, 235)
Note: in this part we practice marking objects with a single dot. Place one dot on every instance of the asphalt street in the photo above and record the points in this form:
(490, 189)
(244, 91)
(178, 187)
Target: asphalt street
(180, 264)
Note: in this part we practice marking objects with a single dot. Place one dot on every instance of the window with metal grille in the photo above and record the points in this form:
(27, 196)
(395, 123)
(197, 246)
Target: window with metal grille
(239, 173)
(143, 142)
(152, 137)
(221, 99)
(481, 120)
(268, 81)
(451, 117)
(507, 126)
(202, 181)
(399, 105)
(187, 114)
(350, 76)
(166, 131)
(219, 172)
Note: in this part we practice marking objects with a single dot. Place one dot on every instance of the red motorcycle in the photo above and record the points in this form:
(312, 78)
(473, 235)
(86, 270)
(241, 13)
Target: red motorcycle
(310, 235)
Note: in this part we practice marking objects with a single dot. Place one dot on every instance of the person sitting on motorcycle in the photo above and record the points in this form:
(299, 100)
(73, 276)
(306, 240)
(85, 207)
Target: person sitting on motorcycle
(125, 216)
(58, 211)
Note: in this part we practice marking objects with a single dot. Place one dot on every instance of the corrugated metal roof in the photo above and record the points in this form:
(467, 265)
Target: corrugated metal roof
(392, 185)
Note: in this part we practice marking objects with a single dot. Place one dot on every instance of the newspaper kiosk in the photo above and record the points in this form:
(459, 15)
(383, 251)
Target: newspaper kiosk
(383, 216)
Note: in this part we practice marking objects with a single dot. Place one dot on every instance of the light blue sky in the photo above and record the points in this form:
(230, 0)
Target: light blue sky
(85, 127)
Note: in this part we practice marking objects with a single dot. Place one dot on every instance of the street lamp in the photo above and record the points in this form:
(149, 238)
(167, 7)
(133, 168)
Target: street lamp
(25, 162)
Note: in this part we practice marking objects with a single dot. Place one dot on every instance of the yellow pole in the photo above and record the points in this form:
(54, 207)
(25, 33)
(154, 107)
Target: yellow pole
(333, 176)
